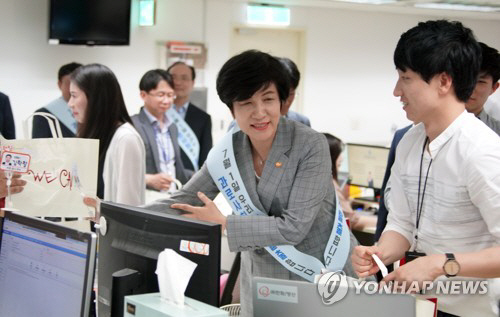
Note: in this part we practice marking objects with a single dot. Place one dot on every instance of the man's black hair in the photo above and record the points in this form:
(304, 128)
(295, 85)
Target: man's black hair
(248, 72)
(441, 46)
(193, 72)
(152, 78)
(490, 64)
(67, 69)
(292, 70)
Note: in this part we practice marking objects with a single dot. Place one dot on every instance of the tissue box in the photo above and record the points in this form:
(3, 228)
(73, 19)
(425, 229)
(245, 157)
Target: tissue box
(151, 305)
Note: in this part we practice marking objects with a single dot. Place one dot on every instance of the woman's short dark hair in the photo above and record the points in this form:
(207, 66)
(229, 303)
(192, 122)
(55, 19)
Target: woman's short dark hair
(336, 147)
(152, 78)
(434, 47)
(106, 109)
(246, 73)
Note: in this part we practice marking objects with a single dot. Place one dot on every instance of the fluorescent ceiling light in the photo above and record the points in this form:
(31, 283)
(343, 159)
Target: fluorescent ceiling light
(456, 6)
(268, 15)
(370, 1)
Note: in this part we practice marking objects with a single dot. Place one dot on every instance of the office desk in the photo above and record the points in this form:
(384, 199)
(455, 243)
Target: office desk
(275, 297)
(367, 205)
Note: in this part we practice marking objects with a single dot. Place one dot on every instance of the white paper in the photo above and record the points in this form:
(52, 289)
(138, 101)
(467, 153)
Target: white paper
(380, 264)
(174, 272)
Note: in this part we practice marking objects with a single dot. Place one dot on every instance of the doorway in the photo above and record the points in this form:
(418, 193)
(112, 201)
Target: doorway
(278, 42)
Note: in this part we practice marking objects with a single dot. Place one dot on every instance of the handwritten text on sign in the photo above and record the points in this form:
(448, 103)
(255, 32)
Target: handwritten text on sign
(62, 178)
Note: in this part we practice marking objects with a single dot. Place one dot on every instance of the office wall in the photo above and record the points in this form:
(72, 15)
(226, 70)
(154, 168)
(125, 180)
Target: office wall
(28, 65)
(348, 75)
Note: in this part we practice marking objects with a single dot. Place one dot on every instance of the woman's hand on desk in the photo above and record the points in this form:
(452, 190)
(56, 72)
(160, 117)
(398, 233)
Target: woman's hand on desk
(209, 212)
(363, 262)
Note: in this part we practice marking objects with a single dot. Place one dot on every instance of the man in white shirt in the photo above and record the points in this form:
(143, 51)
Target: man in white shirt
(443, 195)
(487, 84)
(163, 163)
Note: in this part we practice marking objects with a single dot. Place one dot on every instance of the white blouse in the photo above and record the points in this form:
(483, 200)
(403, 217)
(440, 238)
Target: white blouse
(125, 167)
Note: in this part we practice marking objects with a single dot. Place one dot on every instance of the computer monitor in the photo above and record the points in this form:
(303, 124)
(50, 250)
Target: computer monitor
(128, 252)
(367, 164)
(46, 269)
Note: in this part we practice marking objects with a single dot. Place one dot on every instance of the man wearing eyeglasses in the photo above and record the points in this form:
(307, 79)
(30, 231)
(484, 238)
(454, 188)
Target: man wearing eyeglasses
(163, 163)
(194, 124)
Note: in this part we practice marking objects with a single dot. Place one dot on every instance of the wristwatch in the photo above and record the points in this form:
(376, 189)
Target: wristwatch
(451, 266)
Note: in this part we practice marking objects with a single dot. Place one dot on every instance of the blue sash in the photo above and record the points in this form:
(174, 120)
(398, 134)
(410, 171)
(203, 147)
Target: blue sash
(187, 139)
(224, 171)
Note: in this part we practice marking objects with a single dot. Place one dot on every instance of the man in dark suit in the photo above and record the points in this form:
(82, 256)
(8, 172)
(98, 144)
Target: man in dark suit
(58, 107)
(198, 120)
(158, 132)
(7, 126)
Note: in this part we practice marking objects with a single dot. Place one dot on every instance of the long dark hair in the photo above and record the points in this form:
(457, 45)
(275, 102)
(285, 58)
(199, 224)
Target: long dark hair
(106, 109)
(336, 147)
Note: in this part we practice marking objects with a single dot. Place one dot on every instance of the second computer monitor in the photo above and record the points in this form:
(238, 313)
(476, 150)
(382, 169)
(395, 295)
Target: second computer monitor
(367, 164)
(129, 248)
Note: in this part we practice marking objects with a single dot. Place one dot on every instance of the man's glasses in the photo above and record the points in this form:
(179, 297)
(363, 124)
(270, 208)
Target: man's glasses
(162, 95)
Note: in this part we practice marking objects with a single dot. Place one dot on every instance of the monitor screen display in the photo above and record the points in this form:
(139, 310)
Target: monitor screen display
(90, 22)
(45, 269)
(128, 254)
(367, 164)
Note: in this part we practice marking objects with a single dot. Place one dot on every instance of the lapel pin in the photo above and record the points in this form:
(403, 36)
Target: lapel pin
(278, 164)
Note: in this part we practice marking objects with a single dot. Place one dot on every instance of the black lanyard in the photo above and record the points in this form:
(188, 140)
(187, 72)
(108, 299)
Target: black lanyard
(420, 203)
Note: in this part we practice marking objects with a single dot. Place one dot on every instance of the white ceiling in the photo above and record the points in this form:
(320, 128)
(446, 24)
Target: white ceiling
(493, 3)
(402, 6)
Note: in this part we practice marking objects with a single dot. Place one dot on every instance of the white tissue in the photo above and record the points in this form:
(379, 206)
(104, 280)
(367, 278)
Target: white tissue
(174, 272)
